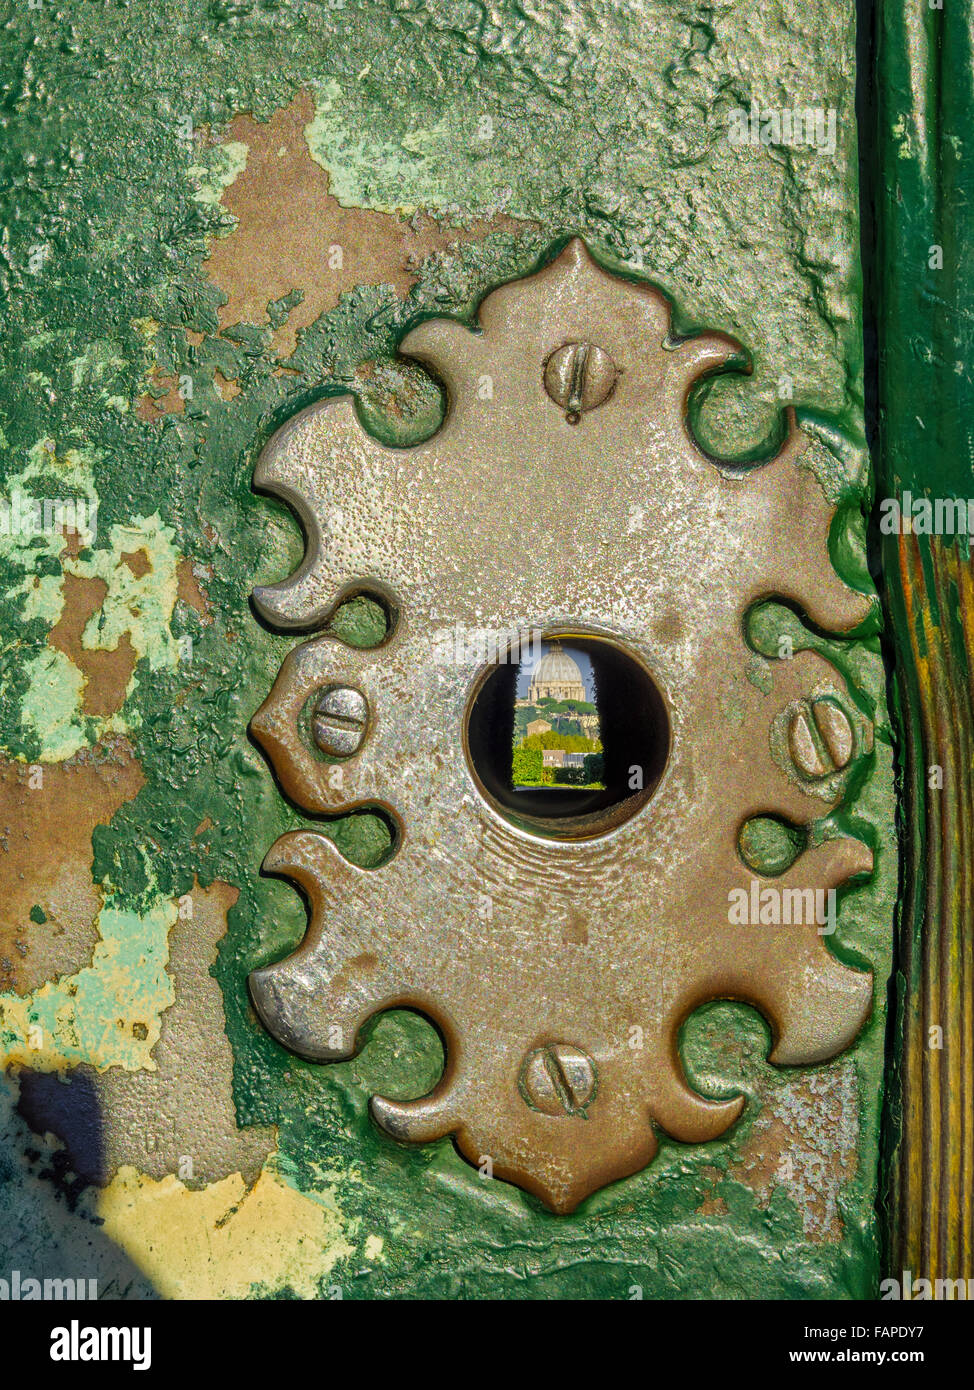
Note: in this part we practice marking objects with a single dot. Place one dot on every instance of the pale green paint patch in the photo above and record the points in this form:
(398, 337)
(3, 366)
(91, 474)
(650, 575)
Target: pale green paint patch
(43, 597)
(51, 706)
(371, 172)
(101, 358)
(224, 163)
(109, 1013)
(67, 477)
(137, 606)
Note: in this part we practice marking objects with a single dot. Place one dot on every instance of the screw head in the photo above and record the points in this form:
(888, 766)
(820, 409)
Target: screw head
(558, 1079)
(340, 718)
(579, 377)
(820, 738)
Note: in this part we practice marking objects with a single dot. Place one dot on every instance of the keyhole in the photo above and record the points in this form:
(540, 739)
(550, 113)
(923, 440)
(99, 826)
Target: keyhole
(603, 719)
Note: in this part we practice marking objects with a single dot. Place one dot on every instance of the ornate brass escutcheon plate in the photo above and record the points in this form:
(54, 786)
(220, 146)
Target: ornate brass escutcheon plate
(567, 497)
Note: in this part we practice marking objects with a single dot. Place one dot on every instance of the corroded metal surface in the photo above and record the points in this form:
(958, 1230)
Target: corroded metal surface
(559, 971)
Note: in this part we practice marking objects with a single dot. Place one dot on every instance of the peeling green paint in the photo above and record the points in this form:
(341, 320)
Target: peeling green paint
(138, 607)
(107, 1014)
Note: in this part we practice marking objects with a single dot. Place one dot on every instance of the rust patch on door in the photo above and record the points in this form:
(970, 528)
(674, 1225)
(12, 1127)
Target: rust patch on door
(293, 234)
(45, 859)
(106, 673)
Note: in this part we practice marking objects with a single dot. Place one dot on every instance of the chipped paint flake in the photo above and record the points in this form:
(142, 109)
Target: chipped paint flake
(297, 244)
(108, 1014)
(136, 610)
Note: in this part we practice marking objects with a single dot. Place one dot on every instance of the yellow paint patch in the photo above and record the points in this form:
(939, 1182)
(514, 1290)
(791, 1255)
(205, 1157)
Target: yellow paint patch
(221, 1241)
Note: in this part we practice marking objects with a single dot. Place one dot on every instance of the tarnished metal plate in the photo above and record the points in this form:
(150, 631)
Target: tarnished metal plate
(563, 493)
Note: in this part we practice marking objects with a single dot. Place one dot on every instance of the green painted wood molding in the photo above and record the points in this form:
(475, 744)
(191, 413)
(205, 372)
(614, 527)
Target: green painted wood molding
(922, 281)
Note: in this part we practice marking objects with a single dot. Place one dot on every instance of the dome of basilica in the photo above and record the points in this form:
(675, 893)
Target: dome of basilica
(556, 677)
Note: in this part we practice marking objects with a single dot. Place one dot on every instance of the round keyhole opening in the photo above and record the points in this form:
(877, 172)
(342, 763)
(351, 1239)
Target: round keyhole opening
(583, 790)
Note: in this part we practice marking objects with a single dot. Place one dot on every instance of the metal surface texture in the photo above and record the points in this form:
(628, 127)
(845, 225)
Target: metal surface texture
(559, 971)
